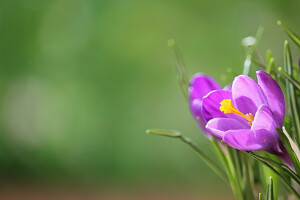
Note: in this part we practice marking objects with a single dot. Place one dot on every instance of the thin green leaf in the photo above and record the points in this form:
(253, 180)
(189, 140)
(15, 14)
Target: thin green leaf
(181, 70)
(267, 172)
(291, 93)
(259, 196)
(168, 133)
(290, 150)
(278, 165)
(227, 163)
(247, 181)
(270, 191)
(293, 144)
(250, 44)
(235, 168)
(204, 157)
(270, 62)
(281, 178)
(290, 33)
(289, 78)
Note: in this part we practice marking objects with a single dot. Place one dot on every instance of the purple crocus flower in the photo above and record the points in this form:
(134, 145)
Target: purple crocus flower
(200, 86)
(246, 116)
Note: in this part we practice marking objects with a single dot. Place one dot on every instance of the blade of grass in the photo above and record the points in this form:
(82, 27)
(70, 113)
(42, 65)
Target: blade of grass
(181, 70)
(281, 178)
(278, 165)
(270, 62)
(290, 33)
(291, 93)
(270, 191)
(251, 50)
(235, 169)
(289, 78)
(289, 149)
(204, 157)
(259, 196)
(225, 162)
(248, 186)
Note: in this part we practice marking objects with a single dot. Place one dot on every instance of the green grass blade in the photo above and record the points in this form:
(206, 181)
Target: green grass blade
(291, 93)
(290, 150)
(228, 168)
(204, 157)
(270, 191)
(247, 184)
(289, 78)
(290, 33)
(270, 62)
(181, 69)
(285, 183)
(259, 196)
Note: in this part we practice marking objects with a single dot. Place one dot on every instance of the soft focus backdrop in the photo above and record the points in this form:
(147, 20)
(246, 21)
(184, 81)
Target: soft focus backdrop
(81, 81)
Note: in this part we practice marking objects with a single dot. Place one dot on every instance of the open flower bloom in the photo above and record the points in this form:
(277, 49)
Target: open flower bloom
(247, 116)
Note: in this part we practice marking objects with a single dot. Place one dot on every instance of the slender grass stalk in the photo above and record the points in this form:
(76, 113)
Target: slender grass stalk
(235, 169)
(278, 165)
(270, 191)
(289, 78)
(281, 178)
(181, 69)
(248, 186)
(225, 162)
(204, 157)
(291, 93)
(290, 33)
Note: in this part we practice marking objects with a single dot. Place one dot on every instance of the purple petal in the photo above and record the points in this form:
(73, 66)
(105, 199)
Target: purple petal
(196, 109)
(200, 85)
(250, 140)
(218, 126)
(264, 120)
(247, 94)
(273, 94)
(211, 106)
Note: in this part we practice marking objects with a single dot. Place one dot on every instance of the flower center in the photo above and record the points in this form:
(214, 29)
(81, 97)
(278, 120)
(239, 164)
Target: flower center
(227, 107)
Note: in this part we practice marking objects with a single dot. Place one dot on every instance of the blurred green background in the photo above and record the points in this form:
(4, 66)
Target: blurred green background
(81, 81)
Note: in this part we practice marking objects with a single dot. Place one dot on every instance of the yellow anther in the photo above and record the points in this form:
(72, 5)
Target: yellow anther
(227, 107)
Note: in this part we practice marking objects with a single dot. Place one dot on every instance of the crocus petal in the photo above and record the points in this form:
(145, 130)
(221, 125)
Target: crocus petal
(218, 126)
(200, 85)
(196, 109)
(211, 106)
(249, 140)
(264, 120)
(247, 94)
(273, 94)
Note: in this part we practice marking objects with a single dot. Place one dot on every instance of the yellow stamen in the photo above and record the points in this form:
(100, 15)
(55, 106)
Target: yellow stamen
(227, 107)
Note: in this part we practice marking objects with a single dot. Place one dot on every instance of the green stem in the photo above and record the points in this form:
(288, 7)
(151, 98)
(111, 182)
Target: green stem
(282, 167)
(225, 163)
(288, 77)
(283, 180)
(291, 93)
(248, 186)
(290, 33)
(181, 70)
(205, 158)
(235, 169)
